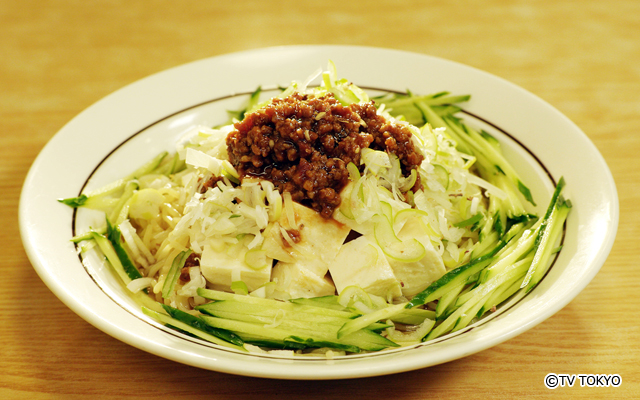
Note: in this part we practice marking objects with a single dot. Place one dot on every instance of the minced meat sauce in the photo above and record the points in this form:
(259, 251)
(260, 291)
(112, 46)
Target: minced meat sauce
(303, 144)
(193, 260)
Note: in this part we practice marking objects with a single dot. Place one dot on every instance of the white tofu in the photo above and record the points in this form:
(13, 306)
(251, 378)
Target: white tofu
(417, 276)
(320, 240)
(294, 280)
(361, 262)
(221, 268)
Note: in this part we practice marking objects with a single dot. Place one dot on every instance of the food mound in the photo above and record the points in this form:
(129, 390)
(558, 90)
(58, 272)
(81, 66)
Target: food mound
(323, 221)
(303, 143)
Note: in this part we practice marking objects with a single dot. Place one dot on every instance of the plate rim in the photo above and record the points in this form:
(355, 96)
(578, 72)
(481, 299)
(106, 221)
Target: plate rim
(165, 350)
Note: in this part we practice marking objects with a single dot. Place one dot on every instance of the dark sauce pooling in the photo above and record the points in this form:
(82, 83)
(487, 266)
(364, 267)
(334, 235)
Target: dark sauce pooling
(303, 144)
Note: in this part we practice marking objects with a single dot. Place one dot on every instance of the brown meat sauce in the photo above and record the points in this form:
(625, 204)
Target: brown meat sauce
(303, 144)
(193, 260)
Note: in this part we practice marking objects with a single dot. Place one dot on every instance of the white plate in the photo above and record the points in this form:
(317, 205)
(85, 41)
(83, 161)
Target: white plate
(128, 127)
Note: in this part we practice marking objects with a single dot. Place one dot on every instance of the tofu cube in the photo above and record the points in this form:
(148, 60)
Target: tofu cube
(417, 276)
(294, 280)
(220, 268)
(361, 262)
(319, 240)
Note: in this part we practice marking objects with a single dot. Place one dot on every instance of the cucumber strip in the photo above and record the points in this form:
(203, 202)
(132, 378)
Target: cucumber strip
(245, 312)
(129, 189)
(412, 316)
(454, 278)
(499, 215)
(546, 249)
(514, 274)
(409, 316)
(397, 100)
(491, 139)
(318, 332)
(311, 343)
(447, 300)
(168, 320)
(123, 215)
(144, 300)
(174, 273)
(108, 189)
(94, 199)
(498, 293)
(543, 232)
(147, 168)
(485, 242)
(430, 116)
(257, 301)
(512, 205)
(330, 301)
(481, 146)
(115, 237)
(436, 121)
(254, 100)
(274, 344)
(296, 343)
(510, 271)
(470, 221)
(379, 326)
(364, 339)
(461, 317)
(461, 274)
(511, 291)
(522, 247)
(452, 320)
(112, 257)
(487, 228)
(88, 235)
(370, 318)
(466, 318)
(239, 115)
(454, 306)
(328, 328)
(169, 166)
(345, 97)
(198, 323)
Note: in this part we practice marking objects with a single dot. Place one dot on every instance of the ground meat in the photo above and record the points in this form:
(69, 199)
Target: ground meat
(209, 183)
(193, 260)
(389, 136)
(295, 236)
(303, 144)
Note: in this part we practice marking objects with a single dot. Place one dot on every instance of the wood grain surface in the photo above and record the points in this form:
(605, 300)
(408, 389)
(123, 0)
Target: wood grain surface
(59, 57)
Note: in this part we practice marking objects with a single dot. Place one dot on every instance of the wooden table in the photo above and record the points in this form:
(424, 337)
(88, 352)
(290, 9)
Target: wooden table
(57, 58)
